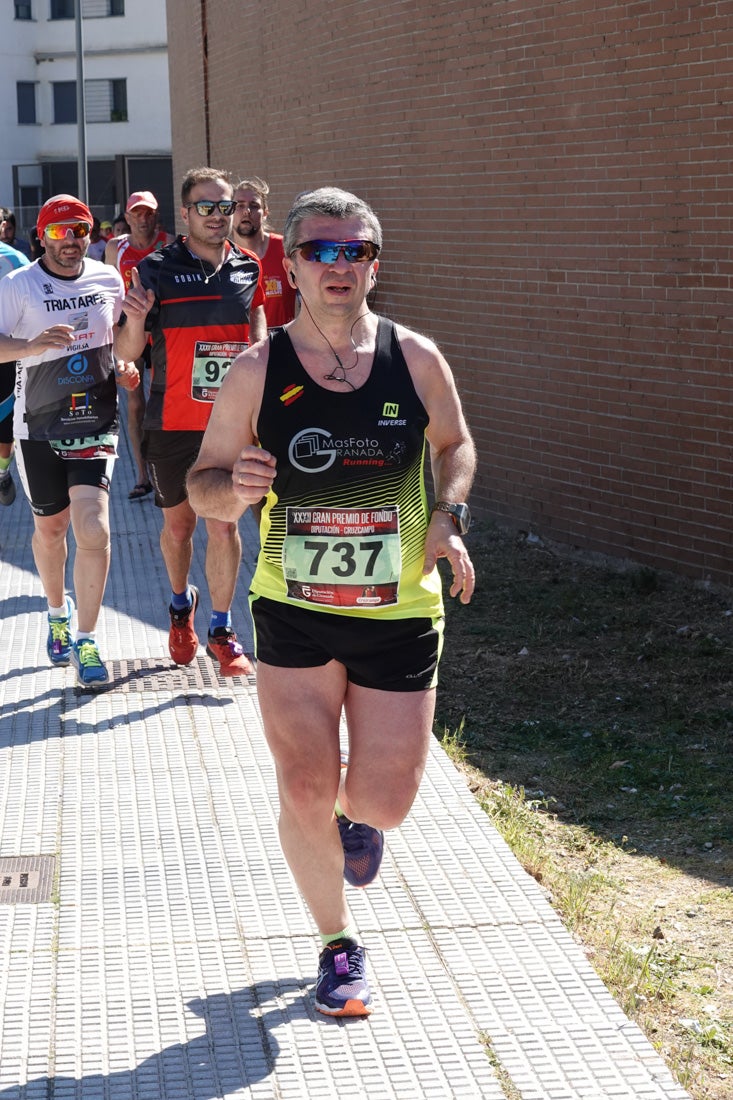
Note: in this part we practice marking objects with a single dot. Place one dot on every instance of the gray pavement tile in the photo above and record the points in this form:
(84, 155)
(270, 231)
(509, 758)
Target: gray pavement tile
(175, 958)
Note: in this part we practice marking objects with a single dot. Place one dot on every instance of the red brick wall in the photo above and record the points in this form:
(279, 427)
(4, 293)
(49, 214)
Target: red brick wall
(555, 186)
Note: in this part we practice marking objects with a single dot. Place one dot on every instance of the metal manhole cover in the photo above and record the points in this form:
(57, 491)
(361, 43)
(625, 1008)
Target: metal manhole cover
(160, 674)
(26, 879)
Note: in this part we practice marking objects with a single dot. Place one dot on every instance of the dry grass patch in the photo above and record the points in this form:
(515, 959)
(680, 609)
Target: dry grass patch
(591, 709)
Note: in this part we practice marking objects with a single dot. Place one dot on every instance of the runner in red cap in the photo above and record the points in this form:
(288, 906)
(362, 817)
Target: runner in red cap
(57, 322)
(62, 208)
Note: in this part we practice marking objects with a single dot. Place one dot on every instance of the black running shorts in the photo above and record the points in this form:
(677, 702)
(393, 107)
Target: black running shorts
(169, 456)
(386, 654)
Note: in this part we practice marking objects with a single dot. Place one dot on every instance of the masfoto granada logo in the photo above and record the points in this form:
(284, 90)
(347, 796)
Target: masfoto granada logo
(291, 393)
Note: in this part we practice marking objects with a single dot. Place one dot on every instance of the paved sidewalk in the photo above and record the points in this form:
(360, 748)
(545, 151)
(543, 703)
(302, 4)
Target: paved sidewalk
(152, 944)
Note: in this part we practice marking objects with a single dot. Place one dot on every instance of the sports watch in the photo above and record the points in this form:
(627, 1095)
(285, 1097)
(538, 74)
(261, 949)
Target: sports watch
(459, 513)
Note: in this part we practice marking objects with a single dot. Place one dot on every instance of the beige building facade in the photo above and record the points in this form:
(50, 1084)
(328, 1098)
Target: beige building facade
(554, 182)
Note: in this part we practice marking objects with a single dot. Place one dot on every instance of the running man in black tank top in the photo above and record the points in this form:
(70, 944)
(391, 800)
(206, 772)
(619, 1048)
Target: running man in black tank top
(324, 427)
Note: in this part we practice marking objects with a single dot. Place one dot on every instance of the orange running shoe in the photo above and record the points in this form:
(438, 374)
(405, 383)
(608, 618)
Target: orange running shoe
(224, 647)
(183, 640)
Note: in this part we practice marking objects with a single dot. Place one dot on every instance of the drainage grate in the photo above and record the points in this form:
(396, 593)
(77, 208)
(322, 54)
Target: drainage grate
(160, 675)
(26, 879)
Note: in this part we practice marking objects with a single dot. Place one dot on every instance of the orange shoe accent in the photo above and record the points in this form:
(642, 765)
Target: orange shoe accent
(225, 648)
(183, 640)
(341, 986)
(351, 1008)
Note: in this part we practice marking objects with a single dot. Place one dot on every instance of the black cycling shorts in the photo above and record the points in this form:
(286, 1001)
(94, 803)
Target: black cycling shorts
(7, 401)
(47, 477)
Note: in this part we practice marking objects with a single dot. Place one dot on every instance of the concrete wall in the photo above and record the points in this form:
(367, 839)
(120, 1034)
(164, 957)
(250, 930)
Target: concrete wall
(555, 186)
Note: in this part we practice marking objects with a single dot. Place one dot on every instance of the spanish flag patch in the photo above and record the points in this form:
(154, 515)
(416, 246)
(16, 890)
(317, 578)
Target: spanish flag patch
(290, 393)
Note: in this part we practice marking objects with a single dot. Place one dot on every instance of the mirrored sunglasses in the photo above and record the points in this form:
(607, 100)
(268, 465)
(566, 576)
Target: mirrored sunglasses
(327, 252)
(57, 231)
(205, 207)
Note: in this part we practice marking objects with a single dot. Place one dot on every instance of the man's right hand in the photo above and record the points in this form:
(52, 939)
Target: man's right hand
(139, 300)
(253, 474)
(58, 336)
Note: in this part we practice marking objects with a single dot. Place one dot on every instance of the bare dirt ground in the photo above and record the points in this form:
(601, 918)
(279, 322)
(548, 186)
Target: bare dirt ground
(591, 708)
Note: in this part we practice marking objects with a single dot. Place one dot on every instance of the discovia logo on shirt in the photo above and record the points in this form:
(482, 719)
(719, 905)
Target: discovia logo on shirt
(77, 366)
(314, 450)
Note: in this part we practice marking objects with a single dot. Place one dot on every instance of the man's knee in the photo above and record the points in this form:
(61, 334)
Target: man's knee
(306, 793)
(51, 530)
(219, 531)
(90, 521)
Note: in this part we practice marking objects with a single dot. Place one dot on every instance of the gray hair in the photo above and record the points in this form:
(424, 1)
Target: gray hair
(331, 202)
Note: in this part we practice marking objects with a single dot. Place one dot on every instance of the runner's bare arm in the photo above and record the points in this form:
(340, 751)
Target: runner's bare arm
(452, 456)
(130, 337)
(58, 336)
(110, 251)
(232, 472)
(257, 325)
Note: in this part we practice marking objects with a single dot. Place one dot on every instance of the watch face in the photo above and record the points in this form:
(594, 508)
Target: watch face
(463, 516)
(460, 513)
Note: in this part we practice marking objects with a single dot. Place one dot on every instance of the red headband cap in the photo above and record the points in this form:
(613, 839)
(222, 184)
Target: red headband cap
(62, 208)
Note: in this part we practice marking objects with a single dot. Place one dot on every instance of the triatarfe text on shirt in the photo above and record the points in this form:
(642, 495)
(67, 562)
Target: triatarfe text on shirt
(57, 305)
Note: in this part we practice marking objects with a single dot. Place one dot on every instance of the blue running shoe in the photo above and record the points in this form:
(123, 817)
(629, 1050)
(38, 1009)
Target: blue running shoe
(363, 850)
(90, 672)
(341, 987)
(58, 644)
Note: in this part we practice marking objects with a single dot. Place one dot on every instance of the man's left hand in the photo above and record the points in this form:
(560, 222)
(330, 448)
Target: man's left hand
(443, 541)
(127, 375)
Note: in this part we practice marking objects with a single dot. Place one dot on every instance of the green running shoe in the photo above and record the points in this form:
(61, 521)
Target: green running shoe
(90, 671)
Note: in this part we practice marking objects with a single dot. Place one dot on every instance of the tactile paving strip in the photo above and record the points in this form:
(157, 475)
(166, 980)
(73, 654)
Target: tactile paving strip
(176, 960)
(149, 675)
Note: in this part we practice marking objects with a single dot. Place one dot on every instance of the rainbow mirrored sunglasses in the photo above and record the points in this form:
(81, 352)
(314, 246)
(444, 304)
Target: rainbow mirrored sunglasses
(57, 231)
(327, 252)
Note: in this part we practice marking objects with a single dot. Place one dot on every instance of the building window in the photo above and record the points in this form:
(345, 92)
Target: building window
(62, 9)
(105, 100)
(64, 101)
(23, 11)
(99, 9)
(26, 94)
(90, 9)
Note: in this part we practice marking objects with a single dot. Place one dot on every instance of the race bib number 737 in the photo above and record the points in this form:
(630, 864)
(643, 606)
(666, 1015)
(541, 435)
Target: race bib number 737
(338, 557)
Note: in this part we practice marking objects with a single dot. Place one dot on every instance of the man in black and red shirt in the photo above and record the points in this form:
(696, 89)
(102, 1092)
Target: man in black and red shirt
(201, 300)
(126, 251)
